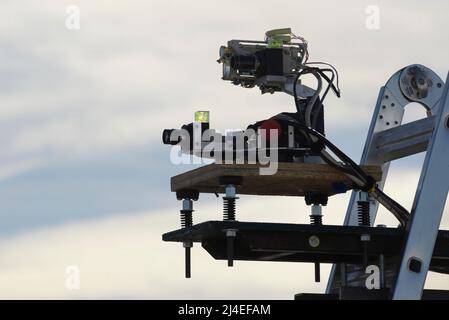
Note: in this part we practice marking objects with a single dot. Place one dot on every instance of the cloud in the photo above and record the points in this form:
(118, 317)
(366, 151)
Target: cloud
(55, 193)
(14, 169)
(134, 69)
(76, 105)
(124, 257)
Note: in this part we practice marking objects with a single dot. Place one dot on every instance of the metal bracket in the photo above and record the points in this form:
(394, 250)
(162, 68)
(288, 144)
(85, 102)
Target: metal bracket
(388, 139)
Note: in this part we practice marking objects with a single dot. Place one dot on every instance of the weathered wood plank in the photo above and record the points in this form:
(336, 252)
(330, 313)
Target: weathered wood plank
(291, 179)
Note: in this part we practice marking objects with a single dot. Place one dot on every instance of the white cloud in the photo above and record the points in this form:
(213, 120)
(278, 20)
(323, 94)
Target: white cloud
(135, 68)
(124, 257)
(14, 169)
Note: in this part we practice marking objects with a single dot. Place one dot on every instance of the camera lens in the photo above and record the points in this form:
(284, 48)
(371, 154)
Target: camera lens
(243, 62)
(166, 137)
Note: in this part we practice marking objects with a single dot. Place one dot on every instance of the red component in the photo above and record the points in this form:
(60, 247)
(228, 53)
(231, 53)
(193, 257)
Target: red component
(268, 125)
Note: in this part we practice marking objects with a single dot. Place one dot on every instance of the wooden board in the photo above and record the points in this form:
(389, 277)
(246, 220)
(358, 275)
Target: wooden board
(291, 179)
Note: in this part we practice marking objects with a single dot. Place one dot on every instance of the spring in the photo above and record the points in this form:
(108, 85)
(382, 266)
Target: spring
(363, 213)
(186, 218)
(316, 219)
(228, 209)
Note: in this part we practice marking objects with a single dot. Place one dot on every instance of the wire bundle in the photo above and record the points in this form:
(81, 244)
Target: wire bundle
(307, 124)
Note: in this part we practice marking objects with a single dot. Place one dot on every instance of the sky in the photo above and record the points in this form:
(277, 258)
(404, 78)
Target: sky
(84, 177)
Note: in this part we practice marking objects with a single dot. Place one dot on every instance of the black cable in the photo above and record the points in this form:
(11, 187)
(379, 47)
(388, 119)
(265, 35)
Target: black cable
(303, 113)
(315, 97)
(394, 207)
(295, 94)
(321, 73)
(349, 167)
(330, 83)
(340, 168)
(332, 67)
(369, 184)
(340, 154)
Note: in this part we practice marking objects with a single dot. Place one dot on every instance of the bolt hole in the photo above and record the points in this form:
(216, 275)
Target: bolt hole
(383, 107)
(381, 117)
(396, 122)
(386, 96)
(439, 85)
(388, 123)
(447, 122)
(392, 104)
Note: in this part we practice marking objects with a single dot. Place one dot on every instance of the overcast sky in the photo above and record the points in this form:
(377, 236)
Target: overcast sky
(84, 178)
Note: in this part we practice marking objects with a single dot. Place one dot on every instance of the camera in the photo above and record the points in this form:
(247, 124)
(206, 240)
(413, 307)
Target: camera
(269, 64)
(276, 64)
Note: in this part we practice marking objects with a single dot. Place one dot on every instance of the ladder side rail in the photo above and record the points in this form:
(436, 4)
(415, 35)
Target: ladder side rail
(351, 213)
(427, 209)
(388, 114)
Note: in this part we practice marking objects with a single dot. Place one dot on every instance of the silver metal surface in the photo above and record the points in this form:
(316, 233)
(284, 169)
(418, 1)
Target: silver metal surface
(418, 82)
(187, 244)
(316, 210)
(427, 208)
(387, 116)
(302, 91)
(230, 191)
(404, 140)
(231, 232)
(314, 241)
(187, 204)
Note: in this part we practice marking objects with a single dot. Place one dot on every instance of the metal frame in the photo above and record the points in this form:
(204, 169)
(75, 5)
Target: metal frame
(388, 140)
(285, 242)
(404, 254)
(427, 209)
